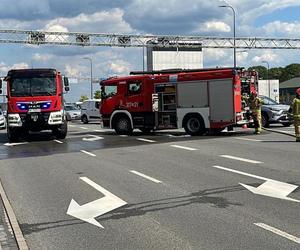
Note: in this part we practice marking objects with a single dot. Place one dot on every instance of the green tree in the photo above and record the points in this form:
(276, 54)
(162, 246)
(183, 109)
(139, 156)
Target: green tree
(290, 71)
(97, 94)
(275, 73)
(83, 98)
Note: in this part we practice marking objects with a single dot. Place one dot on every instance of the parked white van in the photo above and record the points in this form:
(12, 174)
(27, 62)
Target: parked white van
(90, 110)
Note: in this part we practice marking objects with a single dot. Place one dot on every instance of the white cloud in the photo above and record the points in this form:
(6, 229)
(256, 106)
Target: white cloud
(119, 67)
(101, 22)
(282, 28)
(268, 56)
(213, 26)
(42, 57)
(214, 54)
(72, 71)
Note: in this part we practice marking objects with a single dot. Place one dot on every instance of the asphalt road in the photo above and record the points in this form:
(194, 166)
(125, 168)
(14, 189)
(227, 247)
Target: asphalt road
(193, 201)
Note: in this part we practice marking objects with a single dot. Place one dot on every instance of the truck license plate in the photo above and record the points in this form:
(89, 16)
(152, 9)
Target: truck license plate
(34, 117)
(34, 110)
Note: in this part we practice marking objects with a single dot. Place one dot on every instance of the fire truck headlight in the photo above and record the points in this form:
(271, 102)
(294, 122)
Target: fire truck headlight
(14, 120)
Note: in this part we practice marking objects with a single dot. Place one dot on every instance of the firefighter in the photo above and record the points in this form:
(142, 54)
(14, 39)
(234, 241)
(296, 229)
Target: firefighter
(255, 107)
(295, 108)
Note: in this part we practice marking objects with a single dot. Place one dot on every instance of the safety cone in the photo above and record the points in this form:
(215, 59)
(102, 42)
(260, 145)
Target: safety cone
(244, 126)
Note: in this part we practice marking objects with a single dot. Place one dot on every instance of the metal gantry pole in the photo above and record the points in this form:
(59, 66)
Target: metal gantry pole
(234, 36)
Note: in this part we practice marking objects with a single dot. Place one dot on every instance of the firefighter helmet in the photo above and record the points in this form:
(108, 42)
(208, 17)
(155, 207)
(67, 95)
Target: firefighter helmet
(298, 91)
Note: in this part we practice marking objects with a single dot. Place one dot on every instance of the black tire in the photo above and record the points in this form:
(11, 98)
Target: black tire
(286, 124)
(122, 125)
(194, 125)
(84, 119)
(265, 121)
(13, 134)
(61, 131)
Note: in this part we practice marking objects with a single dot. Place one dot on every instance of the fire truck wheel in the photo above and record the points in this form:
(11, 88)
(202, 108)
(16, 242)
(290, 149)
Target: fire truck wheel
(61, 131)
(13, 134)
(122, 125)
(194, 125)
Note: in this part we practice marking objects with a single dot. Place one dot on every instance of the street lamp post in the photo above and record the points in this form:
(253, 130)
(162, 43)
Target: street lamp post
(91, 61)
(269, 87)
(234, 52)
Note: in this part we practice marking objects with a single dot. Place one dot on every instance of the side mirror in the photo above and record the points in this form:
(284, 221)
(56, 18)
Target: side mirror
(67, 88)
(66, 81)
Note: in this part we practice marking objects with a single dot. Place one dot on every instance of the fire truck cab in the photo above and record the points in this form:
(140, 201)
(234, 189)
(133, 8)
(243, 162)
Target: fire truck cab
(196, 100)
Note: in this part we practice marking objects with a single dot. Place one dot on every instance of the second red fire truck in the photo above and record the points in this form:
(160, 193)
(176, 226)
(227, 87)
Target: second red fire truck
(197, 100)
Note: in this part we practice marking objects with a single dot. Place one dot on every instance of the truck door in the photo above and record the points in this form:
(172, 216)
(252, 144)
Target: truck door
(134, 100)
(221, 101)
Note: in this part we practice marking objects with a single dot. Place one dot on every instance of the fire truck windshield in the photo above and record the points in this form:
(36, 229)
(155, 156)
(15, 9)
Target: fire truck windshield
(108, 91)
(35, 86)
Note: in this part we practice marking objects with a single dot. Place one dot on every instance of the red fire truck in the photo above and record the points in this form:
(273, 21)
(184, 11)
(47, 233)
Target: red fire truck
(197, 100)
(35, 102)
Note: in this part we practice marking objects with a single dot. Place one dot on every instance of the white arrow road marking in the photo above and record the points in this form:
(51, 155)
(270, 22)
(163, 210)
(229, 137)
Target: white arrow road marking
(93, 138)
(14, 144)
(275, 189)
(271, 188)
(89, 211)
(278, 232)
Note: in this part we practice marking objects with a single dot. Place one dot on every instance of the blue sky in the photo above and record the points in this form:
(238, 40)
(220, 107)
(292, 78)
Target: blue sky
(260, 18)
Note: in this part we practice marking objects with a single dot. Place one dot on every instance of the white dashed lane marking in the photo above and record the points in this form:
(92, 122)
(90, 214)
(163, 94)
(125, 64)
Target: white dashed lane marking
(241, 159)
(145, 176)
(145, 140)
(182, 147)
(60, 142)
(88, 153)
(278, 232)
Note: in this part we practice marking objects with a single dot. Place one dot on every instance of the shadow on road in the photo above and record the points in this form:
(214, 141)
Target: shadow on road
(138, 209)
(200, 197)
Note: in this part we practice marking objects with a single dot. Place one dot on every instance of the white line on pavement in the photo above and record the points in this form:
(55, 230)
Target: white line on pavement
(182, 147)
(71, 125)
(123, 135)
(14, 144)
(145, 176)
(83, 127)
(240, 159)
(278, 232)
(247, 139)
(145, 140)
(58, 141)
(242, 173)
(88, 153)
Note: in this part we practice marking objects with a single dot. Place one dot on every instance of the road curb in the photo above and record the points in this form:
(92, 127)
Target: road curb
(13, 220)
(279, 132)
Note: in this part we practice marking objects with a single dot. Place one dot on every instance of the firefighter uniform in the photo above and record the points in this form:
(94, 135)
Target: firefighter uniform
(255, 107)
(295, 107)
